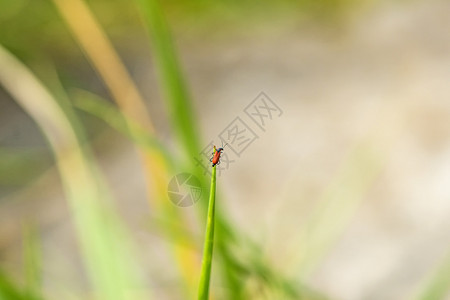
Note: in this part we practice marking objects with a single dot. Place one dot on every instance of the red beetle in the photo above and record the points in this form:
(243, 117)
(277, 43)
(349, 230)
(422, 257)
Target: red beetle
(216, 156)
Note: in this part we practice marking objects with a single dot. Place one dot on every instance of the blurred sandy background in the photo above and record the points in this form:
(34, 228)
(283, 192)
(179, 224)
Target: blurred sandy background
(348, 190)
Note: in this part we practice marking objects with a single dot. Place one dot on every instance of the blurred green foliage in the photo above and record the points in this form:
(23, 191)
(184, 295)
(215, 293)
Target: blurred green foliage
(18, 166)
(35, 33)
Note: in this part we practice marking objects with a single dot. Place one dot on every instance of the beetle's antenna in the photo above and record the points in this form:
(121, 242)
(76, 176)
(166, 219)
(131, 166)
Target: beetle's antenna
(223, 145)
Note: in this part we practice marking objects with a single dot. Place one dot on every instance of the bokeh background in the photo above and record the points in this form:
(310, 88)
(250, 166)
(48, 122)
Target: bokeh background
(345, 195)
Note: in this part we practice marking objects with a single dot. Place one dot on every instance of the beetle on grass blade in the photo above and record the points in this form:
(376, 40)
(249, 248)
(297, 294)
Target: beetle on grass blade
(216, 155)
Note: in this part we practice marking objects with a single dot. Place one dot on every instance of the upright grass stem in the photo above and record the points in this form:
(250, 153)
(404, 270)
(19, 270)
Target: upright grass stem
(205, 275)
(32, 262)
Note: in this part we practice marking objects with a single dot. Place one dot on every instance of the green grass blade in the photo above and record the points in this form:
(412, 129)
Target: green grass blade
(185, 125)
(8, 290)
(182, 118)
(32, 259)
(171, 78)
(205, 275)
(100, 108)
(19, 166)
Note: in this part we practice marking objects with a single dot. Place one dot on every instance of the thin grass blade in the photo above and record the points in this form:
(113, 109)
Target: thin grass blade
(10, 291)
(100, 108)
(205, 275)
(33, 262)
(171, 78)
